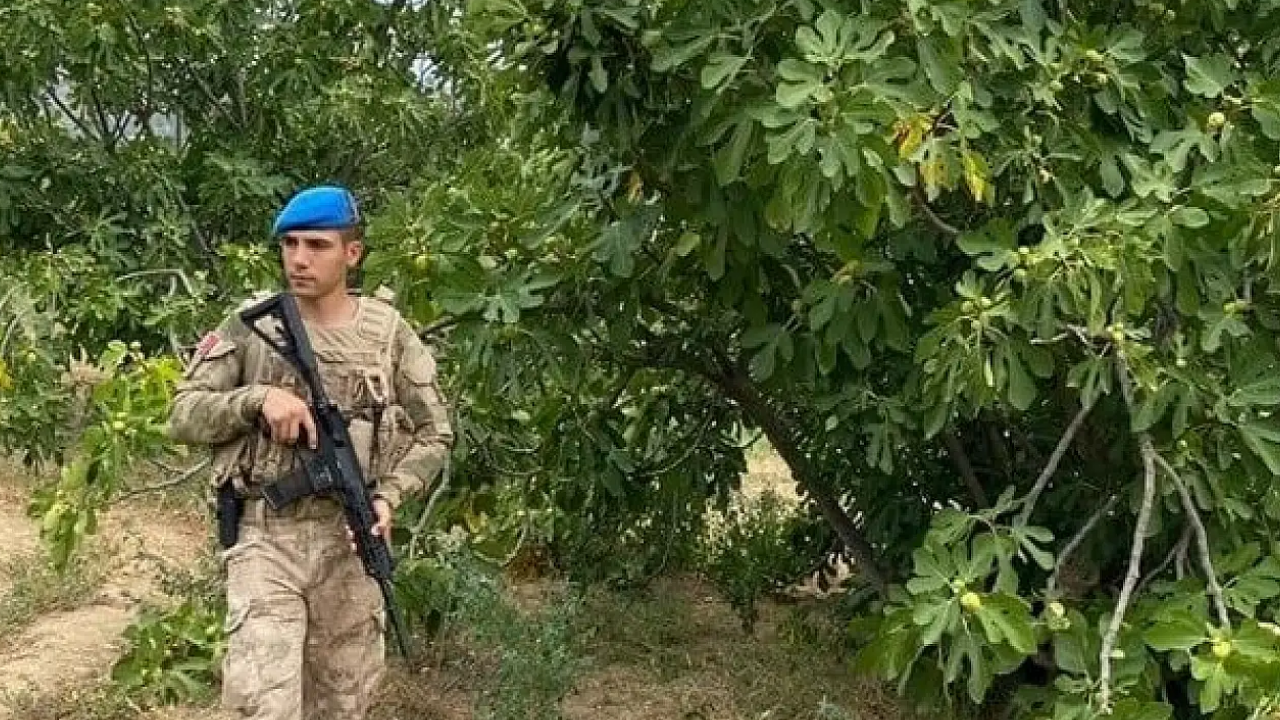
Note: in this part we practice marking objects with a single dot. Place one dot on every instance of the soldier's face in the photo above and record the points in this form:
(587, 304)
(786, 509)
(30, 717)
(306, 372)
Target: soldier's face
(316, 261)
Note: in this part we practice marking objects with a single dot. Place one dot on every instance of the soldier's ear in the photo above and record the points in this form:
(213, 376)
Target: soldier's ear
(354, 250)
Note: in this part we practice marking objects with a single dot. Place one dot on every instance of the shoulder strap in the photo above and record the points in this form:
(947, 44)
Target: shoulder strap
(380, 328)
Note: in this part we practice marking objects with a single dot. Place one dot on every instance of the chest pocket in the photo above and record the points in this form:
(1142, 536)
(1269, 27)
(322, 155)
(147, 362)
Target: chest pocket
(353, 379)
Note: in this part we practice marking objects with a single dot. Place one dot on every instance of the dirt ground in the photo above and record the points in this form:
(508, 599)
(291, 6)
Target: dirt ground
(675, 652)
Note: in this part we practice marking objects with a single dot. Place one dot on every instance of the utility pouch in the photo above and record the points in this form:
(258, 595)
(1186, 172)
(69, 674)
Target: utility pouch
(230, 508)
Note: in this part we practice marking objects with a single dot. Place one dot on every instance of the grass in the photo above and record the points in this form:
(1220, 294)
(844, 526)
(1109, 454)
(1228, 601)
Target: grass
(692, 647)
(82, 703)
(36, 588)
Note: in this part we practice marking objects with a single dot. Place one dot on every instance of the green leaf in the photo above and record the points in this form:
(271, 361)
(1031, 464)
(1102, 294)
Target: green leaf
(687, 243)
(599, 77)
(1262, 392)
(1022, 389)
(1071, 654)
(1190, 217)
(720, 68)
(979, 673)
(801, 81)
(944, 619)
(1152, 408)
(943, 69)
(1253, 641)
(1134, 709)
(670, 57)
(1264, 441)
(1006, 619)
(729, 158)
(1181, 631)
(1209, 76)
(1216, 681)
(1267, 114)
(926, 585)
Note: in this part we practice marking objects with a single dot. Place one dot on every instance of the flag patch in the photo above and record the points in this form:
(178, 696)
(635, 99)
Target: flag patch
(206, 344)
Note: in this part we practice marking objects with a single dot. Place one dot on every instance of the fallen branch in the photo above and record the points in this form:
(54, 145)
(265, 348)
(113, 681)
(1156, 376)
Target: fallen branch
(1076, 541)
(1135, 552)
(1202, 541)
(185, 476)
(1029, 502)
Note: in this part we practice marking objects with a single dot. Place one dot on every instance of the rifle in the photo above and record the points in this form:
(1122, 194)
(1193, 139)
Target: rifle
(332, 469)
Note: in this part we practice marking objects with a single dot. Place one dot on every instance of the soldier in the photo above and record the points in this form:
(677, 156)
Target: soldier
(305, 625)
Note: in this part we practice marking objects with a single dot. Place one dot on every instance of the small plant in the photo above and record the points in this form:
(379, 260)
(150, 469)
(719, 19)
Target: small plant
(174, 655)
(535, 652)
(37, 588)
(754, 553)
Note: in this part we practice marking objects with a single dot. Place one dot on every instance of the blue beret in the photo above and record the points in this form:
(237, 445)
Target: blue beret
(325, 207)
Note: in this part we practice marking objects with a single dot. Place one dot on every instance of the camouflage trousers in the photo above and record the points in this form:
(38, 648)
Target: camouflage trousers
(304, 623)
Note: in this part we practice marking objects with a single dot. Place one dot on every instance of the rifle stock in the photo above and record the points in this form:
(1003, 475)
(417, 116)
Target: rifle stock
(333, 469)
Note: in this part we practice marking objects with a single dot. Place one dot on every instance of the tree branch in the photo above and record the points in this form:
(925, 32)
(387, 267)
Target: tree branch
(1202, 541)
(737, 386)
(961, 459)
(1178, 548)
(74, 118)
(933, 217)
(185, 476)
(1076, 541)
(213, 99)
(1029, 502)
(1135, 552)
(107, 135)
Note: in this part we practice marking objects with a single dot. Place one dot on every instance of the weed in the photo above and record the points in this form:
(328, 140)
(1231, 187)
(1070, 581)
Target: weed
(533, 652)
(174, 654)
(37, 588)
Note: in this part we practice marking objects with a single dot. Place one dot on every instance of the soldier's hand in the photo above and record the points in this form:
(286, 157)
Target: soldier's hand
(286, 416)
(381, 528)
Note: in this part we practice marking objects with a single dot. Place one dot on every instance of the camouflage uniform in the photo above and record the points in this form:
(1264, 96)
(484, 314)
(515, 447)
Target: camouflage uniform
(305, 624)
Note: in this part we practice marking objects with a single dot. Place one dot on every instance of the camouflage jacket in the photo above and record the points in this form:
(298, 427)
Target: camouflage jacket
(376, 361)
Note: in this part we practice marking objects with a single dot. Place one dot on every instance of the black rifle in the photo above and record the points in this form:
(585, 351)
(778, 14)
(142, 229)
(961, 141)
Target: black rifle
(332, 469)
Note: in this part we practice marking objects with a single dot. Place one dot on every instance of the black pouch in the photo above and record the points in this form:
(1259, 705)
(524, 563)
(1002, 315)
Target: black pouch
(230, 509)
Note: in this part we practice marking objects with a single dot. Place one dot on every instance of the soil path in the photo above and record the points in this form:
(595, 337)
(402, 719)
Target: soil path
(76, 647)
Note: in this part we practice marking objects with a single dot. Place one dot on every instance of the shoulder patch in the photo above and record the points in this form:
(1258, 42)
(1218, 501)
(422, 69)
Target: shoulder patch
(207, 343)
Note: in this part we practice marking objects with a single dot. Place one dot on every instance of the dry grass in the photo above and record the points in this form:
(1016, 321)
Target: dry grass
(671, 651)
(685, 651)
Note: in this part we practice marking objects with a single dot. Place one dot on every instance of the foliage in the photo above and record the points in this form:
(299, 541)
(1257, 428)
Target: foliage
(34, 588)
(918, 235)
(759, 548)
(125, 395)
(536, 651)
(981, 272)
(174, 654)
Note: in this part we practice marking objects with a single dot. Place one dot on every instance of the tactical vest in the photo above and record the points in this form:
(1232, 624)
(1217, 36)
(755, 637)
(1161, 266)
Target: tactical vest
(358, 376)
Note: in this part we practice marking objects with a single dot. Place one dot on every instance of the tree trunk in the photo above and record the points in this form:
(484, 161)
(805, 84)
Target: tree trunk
(783, 438)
